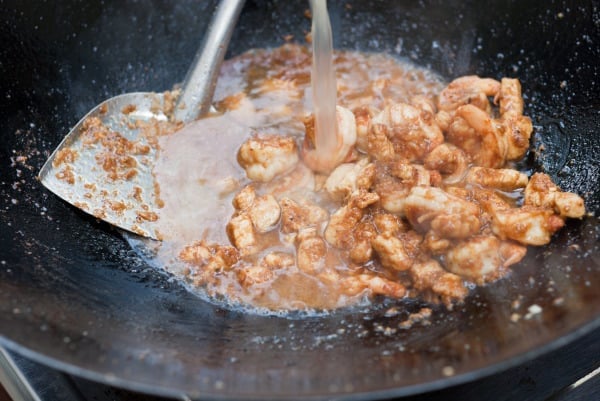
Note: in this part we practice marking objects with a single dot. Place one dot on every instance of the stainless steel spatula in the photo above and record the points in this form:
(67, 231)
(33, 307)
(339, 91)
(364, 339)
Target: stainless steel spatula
(104, 165)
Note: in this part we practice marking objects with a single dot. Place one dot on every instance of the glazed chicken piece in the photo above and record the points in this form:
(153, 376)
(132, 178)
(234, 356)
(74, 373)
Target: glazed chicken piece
(503, 179)
(345, 134)
(449, 160)
(343, 221)
(411, 130)
(379, 146)
(541, 191)
(483, 258)
(387, 223)
(264, 157)
(393, 182)
(448, 216)
(242, 235)
(430, 275)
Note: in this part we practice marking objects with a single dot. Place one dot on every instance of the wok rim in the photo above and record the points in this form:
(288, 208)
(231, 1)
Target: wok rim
(403, 391)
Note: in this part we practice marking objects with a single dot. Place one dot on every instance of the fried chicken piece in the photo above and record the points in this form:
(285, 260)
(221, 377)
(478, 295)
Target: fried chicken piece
(430, 275)
(343, 221)
(347, 177)
(397, 252)
(362, 236)
(430, 208)
(503, 179)
(483, 258)
(393, 182)
(356, 284)
(387, 223)
(363, 116)
(379, 146)
(265, 270)
(412, 131)
(242, 235)
(345, 133)
(264, 211)
(469, 89)
(528, 225)
(311, 251)
(449, 160)
(541, 191)
(518, 127)
(297, 216)
(264, 157)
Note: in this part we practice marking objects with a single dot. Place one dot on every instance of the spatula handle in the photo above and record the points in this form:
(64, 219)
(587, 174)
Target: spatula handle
(201, 79)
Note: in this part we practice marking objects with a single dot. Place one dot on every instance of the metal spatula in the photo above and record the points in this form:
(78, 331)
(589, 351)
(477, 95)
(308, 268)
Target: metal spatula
(75, 170)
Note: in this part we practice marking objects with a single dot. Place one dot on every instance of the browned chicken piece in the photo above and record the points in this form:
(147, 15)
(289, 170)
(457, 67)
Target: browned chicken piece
(265, 270)
(200, 254)
(518, 128)
(265, 213)
(240, 231)
(344, 180)
(430, 208)
(356, 284)
(393, 182)
(434, 243)
(311, 251)
(479, 136)
(503, 179)
(362, 236)
(244, 199)
(469, 89)
(397, 252)
(413, 132)
(345, 135)
(541, 191)
(528, 225)
(343, 221)
(430, 275)
(363, 116)
(483, 259)
(253, 275)
(379, 146)
(449, 160)
(264, 157)
(297, 216)
(387, 223)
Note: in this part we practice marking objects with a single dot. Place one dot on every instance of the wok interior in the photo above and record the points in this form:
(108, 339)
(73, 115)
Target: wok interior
(74, 295)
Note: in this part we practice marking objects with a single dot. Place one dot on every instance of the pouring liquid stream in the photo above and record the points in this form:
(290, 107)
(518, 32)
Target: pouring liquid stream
(323, 81)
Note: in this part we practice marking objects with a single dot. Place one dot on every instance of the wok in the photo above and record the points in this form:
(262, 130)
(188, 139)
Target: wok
(73, 294)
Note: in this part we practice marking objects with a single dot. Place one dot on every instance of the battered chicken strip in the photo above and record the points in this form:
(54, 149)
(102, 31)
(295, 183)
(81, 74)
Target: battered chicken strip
(264, 157)
(541, 191)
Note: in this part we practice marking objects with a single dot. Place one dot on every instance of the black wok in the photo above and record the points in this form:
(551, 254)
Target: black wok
(74, 296)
